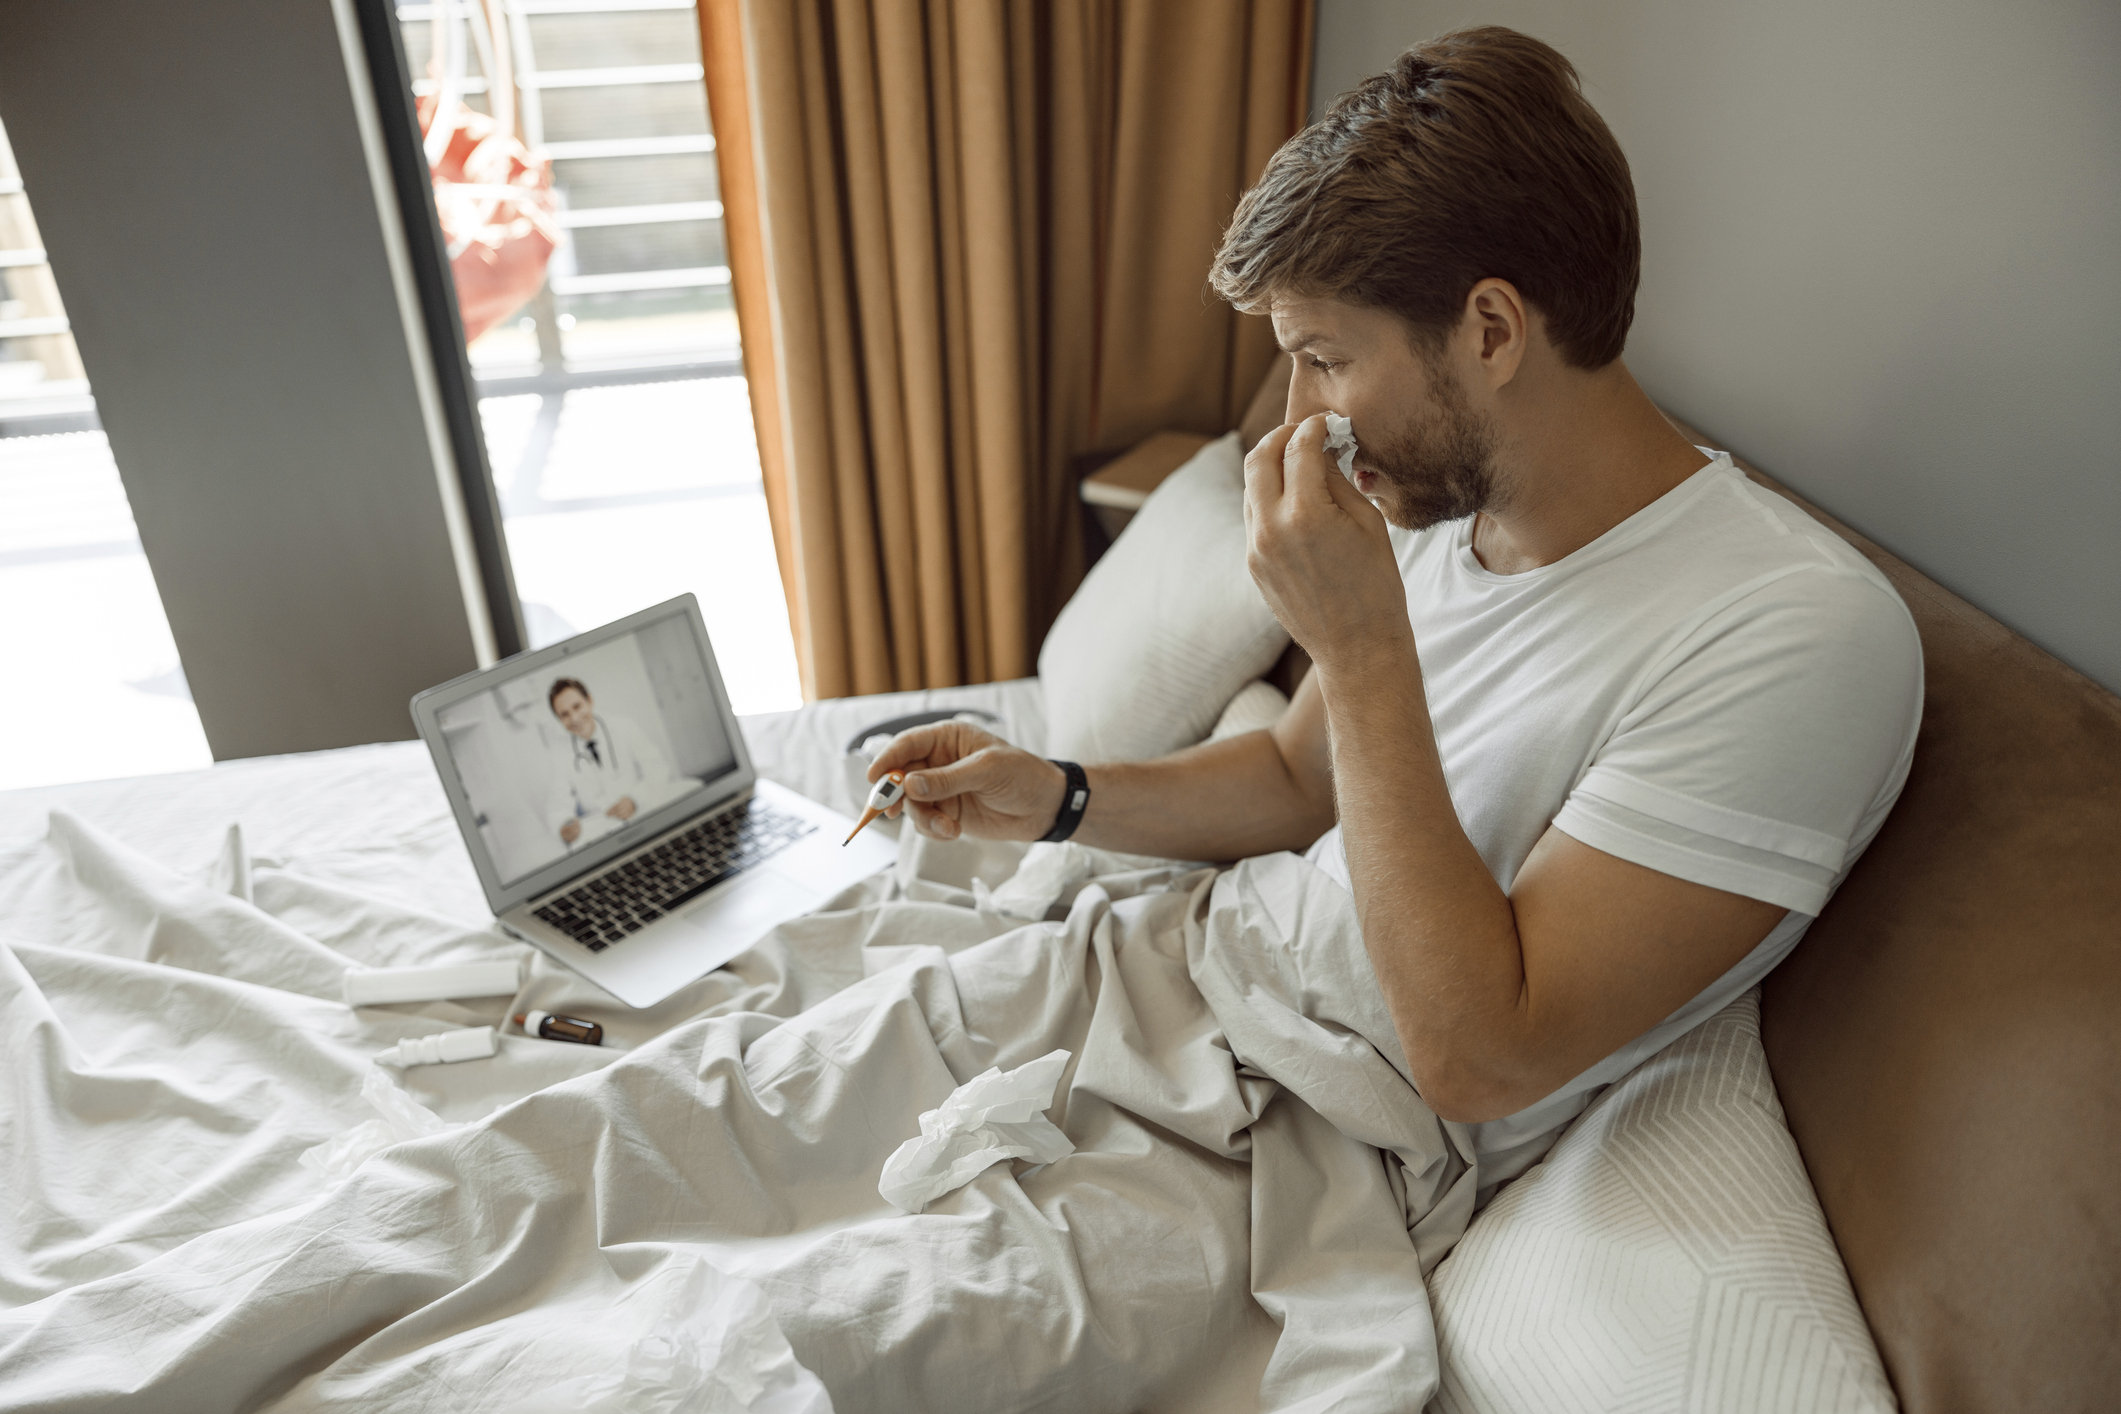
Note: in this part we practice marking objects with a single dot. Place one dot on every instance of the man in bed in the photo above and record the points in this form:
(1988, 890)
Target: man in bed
(1596, 726)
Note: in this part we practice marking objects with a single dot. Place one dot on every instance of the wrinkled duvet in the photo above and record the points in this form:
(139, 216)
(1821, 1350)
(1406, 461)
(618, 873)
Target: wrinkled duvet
(1254, 1195)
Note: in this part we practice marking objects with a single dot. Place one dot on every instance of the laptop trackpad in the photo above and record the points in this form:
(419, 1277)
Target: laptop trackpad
(739, 916)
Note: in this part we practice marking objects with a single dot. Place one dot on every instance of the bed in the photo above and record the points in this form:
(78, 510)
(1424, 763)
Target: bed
(218, 1206)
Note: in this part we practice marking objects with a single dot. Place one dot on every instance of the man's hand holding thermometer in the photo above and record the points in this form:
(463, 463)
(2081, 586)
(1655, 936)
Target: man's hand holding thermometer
(957, 780)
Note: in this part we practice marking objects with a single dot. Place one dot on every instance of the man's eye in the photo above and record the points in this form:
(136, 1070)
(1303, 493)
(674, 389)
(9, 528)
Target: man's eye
(1322, 366)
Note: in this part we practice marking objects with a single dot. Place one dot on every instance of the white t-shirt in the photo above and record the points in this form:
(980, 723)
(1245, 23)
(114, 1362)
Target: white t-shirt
(1717, 688)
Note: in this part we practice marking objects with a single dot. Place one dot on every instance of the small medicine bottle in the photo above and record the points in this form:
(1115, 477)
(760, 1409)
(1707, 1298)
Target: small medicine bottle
(560, 1028)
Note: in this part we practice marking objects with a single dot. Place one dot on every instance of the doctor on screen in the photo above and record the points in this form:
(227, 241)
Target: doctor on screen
(613, 771)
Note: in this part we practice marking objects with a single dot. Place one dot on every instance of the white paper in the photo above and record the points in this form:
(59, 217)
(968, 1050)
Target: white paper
(993, 1116)
(398, 1117)
(1340, 441)
(1045, 872)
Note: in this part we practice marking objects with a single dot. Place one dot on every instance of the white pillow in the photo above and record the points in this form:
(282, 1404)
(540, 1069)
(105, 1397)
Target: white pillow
(1669, 1254)
(1257, 706)
(1166, 628)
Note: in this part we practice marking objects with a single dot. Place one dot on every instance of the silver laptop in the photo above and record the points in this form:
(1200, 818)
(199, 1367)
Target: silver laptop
(606, 797)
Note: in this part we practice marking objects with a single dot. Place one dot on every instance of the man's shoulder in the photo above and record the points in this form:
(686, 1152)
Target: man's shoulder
(1770, 545)
(1734, 542)
(1782, 598)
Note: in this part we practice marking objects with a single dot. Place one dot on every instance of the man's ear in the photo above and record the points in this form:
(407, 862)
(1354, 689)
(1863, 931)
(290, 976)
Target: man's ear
(1500, 325)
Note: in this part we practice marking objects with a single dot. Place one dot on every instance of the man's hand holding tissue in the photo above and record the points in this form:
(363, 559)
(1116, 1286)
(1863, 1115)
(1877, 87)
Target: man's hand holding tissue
(1320, 551)
(964, 781)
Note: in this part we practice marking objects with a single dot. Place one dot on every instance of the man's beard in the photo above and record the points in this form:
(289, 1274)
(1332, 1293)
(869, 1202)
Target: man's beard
(1440, 470)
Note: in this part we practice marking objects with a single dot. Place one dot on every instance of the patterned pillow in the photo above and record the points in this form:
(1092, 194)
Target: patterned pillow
(1669, 1254)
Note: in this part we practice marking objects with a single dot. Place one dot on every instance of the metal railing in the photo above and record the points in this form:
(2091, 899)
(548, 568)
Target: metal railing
(640, 215)
(66, 398)
(578, 78)
(533, 82)
(668, 145)
(53, 397)
(556, 7)
(38, 328)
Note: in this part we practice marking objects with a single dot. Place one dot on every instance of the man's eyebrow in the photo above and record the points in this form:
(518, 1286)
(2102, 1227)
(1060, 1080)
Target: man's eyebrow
(1298, 341)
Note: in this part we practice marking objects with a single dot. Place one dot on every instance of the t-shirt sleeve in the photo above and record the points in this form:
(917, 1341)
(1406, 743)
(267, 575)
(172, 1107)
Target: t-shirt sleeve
(1764, 752)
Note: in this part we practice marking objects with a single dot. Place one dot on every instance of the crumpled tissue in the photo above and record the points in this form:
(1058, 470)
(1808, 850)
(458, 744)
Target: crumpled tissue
(991, 1117)
(1040, 878)
(1340, 441)
(398, 1117)
(688, 1339)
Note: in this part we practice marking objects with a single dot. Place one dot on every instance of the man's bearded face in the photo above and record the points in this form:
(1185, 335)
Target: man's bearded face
(1438, 466)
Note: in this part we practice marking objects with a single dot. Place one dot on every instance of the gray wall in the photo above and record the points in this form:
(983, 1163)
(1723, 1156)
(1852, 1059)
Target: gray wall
(1881, 259)
(202, 182)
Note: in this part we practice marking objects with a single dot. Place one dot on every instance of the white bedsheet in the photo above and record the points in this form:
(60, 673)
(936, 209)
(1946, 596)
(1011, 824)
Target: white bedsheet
(173, 1052)
(1248, 1150)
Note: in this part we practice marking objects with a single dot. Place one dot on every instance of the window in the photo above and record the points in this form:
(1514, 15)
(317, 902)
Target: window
(616, 417)
(94, 687)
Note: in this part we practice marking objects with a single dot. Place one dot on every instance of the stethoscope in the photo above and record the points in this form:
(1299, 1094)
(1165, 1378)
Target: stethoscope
(581, 750)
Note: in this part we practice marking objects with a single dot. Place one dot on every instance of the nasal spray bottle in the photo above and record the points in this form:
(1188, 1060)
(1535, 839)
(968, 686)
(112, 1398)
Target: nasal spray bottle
(442, 1048)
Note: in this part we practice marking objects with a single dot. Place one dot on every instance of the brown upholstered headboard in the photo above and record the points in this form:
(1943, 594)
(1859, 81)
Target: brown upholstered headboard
(1947, 1039)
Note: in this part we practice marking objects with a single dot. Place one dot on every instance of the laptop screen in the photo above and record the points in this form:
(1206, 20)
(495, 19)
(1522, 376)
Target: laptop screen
(583, 747)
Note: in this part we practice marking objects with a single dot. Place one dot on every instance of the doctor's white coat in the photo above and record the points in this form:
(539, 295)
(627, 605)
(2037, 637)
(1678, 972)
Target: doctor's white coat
(628, 764)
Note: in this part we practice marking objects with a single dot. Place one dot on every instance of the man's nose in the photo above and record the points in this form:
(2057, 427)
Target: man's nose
(1302, 403)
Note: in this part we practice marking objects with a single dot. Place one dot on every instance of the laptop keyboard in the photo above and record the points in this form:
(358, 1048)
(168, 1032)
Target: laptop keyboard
(666, 878)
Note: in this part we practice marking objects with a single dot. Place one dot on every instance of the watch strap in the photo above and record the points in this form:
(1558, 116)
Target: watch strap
(1074, 801)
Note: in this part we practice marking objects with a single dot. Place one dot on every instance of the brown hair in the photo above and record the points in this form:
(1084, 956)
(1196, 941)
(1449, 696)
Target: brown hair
(561, 685)
(1475, 155)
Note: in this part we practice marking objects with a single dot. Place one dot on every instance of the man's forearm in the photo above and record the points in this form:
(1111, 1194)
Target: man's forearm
(1222, 800)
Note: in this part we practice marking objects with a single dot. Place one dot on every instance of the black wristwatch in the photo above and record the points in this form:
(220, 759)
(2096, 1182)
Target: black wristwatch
(1073, 803)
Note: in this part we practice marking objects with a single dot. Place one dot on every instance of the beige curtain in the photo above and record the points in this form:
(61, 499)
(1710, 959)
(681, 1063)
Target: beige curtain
(984, 230)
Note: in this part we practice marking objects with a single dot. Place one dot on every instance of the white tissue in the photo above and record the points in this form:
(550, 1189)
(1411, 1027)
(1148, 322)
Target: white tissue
(1340, 441)
(991, 1117)
(399, 1117)
(1044, 874)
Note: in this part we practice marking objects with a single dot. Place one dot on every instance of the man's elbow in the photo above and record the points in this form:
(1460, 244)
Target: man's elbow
(1307, 783)
(1468, 1108)
(1464, 1093)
